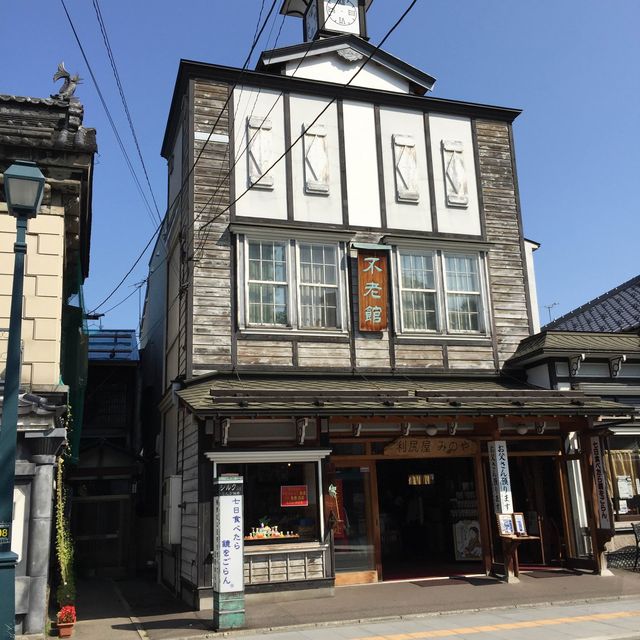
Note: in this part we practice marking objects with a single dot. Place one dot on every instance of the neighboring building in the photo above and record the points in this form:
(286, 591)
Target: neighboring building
(333, 327)
(50, 133)
(595, 349)
(108, 526)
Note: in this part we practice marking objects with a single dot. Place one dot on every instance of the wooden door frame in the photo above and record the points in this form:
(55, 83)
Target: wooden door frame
(373, 522)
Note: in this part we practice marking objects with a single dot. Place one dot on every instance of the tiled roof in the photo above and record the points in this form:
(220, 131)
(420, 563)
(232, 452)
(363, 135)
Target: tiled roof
(567, 343)
(614, 311)
(297, 395)
(113, 345)
(45, 123)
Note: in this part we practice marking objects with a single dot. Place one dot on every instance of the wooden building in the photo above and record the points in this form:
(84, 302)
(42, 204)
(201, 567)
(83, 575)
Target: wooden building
(595, 349)
(338, 284)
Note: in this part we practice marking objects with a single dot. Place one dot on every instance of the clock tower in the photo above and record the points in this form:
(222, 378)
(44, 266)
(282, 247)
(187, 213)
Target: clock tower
(326, 18)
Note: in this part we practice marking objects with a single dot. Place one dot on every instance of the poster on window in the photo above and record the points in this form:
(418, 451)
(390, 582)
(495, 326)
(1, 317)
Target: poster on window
(625, 487)
(466, 535)
(294, 496)
(373, 290)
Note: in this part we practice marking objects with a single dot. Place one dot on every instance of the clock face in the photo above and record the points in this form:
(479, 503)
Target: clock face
(342, 15)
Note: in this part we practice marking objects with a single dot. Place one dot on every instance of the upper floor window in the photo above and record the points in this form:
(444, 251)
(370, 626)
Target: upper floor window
(418, 292)
(268, 283)
(452, 303)
(319, 286)
(293, 285)
(462, 284)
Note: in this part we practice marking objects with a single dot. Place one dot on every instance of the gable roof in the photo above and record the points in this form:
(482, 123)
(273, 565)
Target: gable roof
(615, 311)
(273, 60)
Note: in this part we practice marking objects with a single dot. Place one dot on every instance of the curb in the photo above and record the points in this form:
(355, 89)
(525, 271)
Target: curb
(410, 616)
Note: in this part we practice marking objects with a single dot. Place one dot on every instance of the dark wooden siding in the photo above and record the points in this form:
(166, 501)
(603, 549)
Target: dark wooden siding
(211, 282)
(507, 269)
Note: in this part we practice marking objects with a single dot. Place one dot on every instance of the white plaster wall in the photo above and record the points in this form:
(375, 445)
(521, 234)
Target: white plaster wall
(454, 219)
(175, 177)
(331, 67)
(530, 247)
(362, 164)
(259, 203)
(315, 207)
(539, 376)
(405, 215)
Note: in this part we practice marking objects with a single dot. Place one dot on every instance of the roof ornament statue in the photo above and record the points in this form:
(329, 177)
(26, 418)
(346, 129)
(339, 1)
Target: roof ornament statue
(70, 83)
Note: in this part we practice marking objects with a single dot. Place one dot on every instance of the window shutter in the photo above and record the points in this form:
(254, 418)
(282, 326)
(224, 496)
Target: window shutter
(455, 173)
(316, 160)
(406, 169)
(259, 143)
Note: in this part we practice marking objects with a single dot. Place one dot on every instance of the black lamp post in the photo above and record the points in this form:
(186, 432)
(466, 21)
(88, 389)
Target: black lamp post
(24, 189)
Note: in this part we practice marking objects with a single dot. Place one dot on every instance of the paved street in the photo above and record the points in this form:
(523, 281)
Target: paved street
(552, 605)
(603, 620)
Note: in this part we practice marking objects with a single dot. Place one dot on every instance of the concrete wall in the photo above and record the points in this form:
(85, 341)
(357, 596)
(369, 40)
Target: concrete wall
(42, 306)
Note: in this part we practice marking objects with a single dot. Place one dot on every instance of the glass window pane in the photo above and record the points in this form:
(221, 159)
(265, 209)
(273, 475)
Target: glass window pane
(254, 250)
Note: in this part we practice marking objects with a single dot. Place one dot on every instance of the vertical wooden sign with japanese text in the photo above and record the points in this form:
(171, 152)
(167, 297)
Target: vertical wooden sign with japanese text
(600, 481)
(228, 553)
(373, 290)
(500, 478)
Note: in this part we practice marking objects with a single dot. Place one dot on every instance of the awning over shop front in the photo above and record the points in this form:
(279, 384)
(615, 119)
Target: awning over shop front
(231, 395)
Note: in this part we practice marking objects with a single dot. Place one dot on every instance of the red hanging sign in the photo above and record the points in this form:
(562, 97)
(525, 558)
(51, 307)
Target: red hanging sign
(373, 293)
(294, 496)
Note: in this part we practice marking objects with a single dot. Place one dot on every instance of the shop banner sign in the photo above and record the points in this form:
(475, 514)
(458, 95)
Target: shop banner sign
(294, 496)
(500, 479)
(228, 535)
(430, 447)
(373, 290)
(604, 516)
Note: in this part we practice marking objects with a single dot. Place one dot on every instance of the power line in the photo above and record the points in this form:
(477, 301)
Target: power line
(109, 117)
(114, 67)
(289, 148)
(186, 179)
(322, 112)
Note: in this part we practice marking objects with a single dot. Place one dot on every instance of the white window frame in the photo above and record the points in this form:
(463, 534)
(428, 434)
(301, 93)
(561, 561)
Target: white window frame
(482, 329)
(286, 282)
(442, 308)
(294, 310)
(401, 288)
(299, 284)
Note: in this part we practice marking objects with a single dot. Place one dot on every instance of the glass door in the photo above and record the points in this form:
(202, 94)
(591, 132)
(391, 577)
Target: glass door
(350, 504)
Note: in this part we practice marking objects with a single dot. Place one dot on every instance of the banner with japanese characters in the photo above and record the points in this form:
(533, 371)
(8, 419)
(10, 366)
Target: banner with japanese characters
(599, 478)
(228, 535)
(373, 290)
(500, 478)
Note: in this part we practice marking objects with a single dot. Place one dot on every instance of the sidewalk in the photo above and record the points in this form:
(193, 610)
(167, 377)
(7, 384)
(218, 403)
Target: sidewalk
(134, 609)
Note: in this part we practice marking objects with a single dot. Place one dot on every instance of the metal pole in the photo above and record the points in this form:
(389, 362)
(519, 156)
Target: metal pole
(8, 434)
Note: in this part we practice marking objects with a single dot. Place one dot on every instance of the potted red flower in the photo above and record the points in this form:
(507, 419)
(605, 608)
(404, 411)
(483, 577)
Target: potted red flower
(66, 618)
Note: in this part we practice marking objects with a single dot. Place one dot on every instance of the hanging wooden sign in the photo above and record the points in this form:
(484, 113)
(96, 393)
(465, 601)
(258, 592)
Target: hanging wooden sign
(373, 290)
(428, 447)
(600, 481)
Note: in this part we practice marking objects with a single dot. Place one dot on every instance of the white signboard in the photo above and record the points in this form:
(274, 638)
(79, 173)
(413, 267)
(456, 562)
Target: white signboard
(604, 516)
(625, 487)
(228, 535)
(500, 479)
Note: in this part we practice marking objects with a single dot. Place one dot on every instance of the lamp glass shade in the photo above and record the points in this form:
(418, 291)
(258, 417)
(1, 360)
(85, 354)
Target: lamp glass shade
(24, 188)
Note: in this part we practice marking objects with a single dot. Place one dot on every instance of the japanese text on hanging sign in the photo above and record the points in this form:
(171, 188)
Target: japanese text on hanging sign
(500, 479)
(228, 548)
(604, 515)
(373, 294)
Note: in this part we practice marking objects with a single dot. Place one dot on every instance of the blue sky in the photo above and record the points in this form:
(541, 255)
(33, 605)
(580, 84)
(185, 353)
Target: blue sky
(571, 65)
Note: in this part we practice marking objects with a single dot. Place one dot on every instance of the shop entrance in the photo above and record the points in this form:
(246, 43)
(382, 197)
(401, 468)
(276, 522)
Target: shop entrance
(429, 524)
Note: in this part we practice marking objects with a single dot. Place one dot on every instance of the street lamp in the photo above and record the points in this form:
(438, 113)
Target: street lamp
(24, 189)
